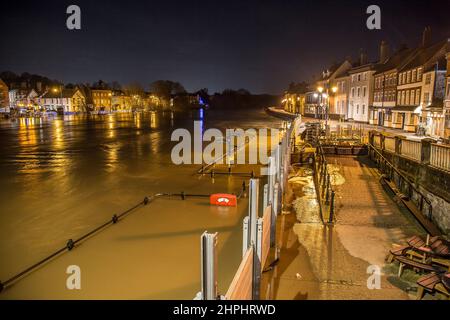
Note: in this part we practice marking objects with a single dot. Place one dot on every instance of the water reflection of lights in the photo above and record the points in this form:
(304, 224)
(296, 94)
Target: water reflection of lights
(137, 120)
(111, 126)
(153, 120)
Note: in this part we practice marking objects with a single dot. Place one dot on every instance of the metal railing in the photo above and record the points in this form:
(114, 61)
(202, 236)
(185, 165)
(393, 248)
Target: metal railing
(440, 156)
(324, 189)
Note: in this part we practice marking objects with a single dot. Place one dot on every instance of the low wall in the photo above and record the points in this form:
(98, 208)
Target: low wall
(433, 182)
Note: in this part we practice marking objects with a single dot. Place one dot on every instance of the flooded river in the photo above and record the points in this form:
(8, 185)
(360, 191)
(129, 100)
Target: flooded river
(62, 176)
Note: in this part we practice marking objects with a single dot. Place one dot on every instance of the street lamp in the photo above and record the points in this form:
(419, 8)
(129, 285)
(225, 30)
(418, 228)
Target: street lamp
(55, 90)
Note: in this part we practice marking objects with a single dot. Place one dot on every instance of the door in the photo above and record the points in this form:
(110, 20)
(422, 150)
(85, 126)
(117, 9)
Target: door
(381, 118)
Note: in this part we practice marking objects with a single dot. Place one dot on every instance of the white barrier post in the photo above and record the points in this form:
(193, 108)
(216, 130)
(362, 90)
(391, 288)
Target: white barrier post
(245, 236)
(253, 209)
(266, 197)
(209, 266)
(257, 261)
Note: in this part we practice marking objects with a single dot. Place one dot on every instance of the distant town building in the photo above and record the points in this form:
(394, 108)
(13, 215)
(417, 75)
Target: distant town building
(101, 99)
(23, 98)
(66, 101)
(294, 102)
(120, 101)
(4, 97)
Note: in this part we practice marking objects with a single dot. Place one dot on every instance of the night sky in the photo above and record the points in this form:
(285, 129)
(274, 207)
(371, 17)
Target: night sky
(257, 45)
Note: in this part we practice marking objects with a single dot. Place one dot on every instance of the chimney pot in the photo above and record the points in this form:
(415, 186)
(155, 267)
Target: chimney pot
(426, 37)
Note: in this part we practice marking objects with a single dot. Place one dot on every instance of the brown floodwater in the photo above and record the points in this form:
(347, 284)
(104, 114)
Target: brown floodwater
(62, 176)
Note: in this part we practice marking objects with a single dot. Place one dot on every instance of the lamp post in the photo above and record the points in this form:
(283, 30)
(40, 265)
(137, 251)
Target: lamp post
(324, 101)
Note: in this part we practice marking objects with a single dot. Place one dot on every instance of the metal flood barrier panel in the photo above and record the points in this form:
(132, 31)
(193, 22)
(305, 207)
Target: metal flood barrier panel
(241, 287)
(265, 239)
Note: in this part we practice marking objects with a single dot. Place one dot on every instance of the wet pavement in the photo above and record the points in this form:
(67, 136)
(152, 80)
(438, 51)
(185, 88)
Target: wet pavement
(331, 262)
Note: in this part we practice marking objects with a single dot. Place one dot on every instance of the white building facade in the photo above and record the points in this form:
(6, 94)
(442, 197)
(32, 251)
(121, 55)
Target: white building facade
(360, 92)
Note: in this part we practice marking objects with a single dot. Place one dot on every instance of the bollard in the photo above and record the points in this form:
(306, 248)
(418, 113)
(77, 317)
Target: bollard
(331, 208)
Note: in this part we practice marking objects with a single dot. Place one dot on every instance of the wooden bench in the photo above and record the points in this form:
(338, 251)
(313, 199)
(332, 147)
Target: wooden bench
(433, 283)
(404, 261)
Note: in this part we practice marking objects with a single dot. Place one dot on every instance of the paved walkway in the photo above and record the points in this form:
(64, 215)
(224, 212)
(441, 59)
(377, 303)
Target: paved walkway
(319, 262)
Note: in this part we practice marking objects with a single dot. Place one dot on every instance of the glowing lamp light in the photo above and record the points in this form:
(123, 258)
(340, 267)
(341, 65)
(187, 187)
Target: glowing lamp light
(324, 95)
(315, 95)
(320, 89)
(334, 89)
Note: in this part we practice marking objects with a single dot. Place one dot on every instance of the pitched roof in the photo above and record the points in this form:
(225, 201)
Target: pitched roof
(425, 55)
(397, 60)
(66, 93)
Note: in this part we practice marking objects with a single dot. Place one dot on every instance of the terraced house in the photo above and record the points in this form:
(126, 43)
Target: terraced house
(385, 84)
(341, 95)
(420, 88)
(361, 88)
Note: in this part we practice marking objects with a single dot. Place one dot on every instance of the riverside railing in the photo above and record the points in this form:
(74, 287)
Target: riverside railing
(411, 149)
(259, 233)
(405, 188)
(324, 189)
(389, 143)
(425, 151)
(440, 156)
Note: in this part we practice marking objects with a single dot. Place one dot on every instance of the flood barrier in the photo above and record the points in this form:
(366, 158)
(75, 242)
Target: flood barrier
(258, 231)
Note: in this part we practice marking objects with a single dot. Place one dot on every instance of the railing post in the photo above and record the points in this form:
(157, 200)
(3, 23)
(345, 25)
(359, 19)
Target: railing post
(209, 266)
(398, 144)
(382, 139)
(331, 208)
(426, 151)
(327, 196)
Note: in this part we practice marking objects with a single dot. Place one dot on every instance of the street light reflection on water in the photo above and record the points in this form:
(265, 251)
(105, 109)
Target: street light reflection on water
(60, 177)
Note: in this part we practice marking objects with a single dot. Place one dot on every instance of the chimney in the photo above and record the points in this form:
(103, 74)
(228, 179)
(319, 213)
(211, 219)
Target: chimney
(362, 57)
(385, 51)
(426, 37)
